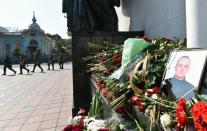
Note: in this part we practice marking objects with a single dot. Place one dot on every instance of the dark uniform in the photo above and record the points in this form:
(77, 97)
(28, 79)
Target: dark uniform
(22, 63)
(51, 60)
(36, 61)
(61, 61)
(7, 64)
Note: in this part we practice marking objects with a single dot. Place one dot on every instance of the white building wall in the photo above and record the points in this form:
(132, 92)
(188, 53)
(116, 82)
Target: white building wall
(158, 18)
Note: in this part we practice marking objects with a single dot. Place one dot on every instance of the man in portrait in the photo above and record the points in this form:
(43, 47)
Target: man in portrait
(181, 87)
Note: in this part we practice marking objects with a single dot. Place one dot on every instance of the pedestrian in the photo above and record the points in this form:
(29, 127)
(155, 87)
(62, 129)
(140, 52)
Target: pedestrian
(61, 61)
(51, 61)
(36, 56)
(8, 64)
(22, 62)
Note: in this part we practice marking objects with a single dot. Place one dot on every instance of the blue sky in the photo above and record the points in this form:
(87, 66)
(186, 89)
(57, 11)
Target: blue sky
(19, 13)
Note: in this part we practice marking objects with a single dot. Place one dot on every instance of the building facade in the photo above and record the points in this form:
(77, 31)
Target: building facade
(28, 40)
(157, 18)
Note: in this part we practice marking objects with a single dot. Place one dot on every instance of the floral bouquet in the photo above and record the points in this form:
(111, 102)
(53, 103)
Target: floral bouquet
(141, 87)
(106, 60)
(81, 122)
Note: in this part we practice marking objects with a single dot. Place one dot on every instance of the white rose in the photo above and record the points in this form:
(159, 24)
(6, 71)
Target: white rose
(154, 96)
(165, 120)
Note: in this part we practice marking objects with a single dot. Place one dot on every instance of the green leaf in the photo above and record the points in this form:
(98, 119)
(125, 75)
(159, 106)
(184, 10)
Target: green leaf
(203, 98)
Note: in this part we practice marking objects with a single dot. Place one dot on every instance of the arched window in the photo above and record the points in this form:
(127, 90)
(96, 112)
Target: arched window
(33, 43)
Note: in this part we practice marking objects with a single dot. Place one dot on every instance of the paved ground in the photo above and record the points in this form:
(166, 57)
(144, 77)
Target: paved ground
(36, 101)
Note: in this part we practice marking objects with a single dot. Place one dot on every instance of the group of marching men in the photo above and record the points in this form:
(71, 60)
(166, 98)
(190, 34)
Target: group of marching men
(36, 56)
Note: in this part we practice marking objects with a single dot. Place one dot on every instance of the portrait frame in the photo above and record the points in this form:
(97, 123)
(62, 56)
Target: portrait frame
(195, 76)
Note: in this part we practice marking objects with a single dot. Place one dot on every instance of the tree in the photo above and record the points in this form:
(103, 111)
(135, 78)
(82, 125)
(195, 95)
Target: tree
(63, 46)
(16, 50)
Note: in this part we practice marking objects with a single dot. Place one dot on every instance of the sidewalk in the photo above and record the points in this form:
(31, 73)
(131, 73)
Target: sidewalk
(36, 101)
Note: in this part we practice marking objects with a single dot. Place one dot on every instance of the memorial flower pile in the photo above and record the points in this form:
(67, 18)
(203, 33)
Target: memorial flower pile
(106, 60)
(139, 85)
(81, 122)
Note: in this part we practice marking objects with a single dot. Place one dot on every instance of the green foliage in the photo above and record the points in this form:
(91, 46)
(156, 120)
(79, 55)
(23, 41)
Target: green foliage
(202, 97)
(160, 51)
(38, 52)
(16, 50)
(95, 109)
(61, 45)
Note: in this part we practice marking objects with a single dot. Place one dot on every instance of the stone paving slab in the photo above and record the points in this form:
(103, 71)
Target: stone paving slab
(36, 101)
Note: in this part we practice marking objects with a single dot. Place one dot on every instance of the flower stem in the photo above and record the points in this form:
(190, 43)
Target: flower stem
(137, 123)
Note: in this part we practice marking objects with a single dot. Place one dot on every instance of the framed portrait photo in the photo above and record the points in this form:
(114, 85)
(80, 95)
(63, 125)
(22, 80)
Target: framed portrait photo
(184, 73)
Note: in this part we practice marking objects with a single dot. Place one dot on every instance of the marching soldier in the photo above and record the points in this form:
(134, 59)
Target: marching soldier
(22, 63)
(61, 61)
(51, 61)
(7, 64)
(36, 55)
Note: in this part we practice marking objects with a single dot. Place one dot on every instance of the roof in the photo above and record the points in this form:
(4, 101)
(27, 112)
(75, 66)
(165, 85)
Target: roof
(3, 29)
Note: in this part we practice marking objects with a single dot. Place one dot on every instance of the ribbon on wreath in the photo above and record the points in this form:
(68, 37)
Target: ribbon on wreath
(143, 72)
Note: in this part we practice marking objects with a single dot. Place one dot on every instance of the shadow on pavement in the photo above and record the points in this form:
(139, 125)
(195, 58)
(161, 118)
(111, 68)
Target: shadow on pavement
(66, 69)
(9, 75)
(28, 74)
(55, 70)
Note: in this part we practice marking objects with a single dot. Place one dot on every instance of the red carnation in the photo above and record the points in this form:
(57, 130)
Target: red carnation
(153, 90)
(77, 128)
(140, 105)
(116, 59)
(180, 114)
(145, 38)
(109, 70)
(101, 59)
(104, 92)
(103, 129)
(120, 110)
(68, 128)
(167, 40)
(199, 114)
(133, 99)
(99, 83)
